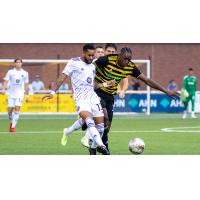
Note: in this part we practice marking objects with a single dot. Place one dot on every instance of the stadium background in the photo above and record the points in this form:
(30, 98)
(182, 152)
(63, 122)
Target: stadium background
(168, 61)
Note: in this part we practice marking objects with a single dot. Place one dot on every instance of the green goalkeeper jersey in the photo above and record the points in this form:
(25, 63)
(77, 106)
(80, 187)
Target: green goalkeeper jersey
(190, 84)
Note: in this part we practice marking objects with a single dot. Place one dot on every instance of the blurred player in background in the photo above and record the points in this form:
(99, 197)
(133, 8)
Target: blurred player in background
(81, 70)
(99, 51)
(190, 86)
(18, 80)
(110, 48)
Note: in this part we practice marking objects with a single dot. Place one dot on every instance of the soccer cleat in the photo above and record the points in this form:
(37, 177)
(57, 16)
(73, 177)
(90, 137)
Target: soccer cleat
(193, 116)
(64, 138)
(104, 150)
(184, 115)
(85, 141)
(11, 129)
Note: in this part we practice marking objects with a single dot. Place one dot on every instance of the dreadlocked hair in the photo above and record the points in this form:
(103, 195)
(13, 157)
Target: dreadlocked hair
(126, 50)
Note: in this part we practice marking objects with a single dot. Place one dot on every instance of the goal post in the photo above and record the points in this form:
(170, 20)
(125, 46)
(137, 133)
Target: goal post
(54, 62)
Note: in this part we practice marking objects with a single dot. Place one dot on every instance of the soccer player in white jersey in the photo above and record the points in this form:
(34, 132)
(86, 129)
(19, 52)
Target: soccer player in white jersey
(81, 70)
(18, 81)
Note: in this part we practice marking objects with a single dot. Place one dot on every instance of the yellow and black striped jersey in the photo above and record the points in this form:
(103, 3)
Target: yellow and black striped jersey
(108, 69)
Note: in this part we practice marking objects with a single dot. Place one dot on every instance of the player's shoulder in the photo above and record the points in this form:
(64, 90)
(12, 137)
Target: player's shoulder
(185, 77)
(75, 59)
(131, 64)
(102, 61)
(11, 70)
(24, 71)
(194, 77)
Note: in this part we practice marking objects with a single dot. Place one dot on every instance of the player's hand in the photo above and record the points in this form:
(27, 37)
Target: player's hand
(173, 94)
(47, 97)
(111, 82)
(121, 93)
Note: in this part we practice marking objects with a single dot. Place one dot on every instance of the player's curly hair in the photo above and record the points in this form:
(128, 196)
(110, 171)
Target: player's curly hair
(126, 50)
(88, 46)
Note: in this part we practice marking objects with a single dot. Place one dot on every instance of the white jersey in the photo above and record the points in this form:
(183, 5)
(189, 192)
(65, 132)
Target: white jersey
(17, 79)
(82, 79)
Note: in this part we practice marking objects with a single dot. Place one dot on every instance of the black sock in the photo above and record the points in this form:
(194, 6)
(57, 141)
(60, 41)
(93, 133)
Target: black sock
(92, 151)
(84, 126)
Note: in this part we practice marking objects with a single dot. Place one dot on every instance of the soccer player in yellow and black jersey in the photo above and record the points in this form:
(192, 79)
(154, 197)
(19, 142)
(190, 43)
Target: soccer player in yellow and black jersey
(117, 67)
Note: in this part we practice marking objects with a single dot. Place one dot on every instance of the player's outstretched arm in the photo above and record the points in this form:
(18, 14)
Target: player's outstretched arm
(5, 87)
(105, 84)
(157, 86)
(124, 88)
(59, 82)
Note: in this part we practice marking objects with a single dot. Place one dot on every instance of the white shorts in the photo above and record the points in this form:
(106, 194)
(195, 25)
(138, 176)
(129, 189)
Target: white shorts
(95, 109)
(12, 102)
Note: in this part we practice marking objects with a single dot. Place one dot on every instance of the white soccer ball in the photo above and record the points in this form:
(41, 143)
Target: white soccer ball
(136, 146)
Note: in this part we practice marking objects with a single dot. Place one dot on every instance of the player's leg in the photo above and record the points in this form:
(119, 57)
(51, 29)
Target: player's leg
(193, 104)
(93, 132)
(108, 119)
(99, 124)
(67, 131)
(15, 116)
(85, 139)
(185, 103)
(11, 106)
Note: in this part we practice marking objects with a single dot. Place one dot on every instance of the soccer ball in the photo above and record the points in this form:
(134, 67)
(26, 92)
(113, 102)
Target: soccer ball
(136, 146)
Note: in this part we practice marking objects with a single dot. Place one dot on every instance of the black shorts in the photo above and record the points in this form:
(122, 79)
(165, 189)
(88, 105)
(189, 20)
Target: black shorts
(107, 101)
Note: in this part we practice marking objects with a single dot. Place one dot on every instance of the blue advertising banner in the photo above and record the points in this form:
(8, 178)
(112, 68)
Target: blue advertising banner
(138, 103)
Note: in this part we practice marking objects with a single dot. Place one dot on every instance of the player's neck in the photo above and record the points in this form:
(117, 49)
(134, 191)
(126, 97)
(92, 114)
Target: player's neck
(18, 69)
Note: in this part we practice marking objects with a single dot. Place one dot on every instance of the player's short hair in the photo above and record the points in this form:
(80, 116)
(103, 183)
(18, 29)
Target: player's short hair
(88, 46)
(20, 59)
(190, 69)
(99, 47)
(112, 45)
(126, 50)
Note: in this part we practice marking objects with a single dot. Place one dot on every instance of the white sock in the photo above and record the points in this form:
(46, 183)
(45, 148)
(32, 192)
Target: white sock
(75, 126)
(92, 131)
(15, 118)
(100, 128)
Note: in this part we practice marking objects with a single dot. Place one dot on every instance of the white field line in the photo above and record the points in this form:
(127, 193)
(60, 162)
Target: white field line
(166, 130)
(60, 131)
(182, 129)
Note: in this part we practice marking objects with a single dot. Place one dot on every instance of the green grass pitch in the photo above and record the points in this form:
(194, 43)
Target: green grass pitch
(41, 134)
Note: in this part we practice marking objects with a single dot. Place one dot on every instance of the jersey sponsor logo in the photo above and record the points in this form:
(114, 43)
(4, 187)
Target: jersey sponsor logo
(89, 80)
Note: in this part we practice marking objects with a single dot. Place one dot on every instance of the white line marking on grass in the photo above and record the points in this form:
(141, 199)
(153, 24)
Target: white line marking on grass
(60, 131)
(182, 129)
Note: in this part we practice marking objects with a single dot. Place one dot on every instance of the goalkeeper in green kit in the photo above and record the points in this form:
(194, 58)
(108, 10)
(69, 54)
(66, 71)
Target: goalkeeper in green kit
(189, 90)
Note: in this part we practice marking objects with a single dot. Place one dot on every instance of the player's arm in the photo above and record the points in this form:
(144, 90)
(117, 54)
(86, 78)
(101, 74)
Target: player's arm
(26, 87)
(156, 85)
(59, 82)
(124, 88)
(105, 84)
(5, 86)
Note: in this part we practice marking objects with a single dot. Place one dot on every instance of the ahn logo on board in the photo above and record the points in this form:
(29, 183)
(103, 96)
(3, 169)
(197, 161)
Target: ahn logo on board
(164, 103)
(133, 103)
